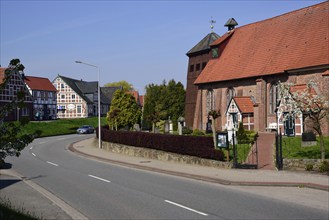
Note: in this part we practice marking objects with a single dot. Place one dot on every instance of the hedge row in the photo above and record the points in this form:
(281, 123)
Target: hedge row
(187, 145)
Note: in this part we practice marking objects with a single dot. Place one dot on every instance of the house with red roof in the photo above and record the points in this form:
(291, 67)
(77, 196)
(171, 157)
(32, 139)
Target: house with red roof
(240, 109)
(244, 66)
(14, 85)
(44, 96)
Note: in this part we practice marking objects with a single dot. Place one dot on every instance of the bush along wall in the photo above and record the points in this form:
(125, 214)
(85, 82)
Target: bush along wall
(186, 145)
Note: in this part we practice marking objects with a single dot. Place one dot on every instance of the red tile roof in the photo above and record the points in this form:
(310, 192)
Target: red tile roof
(245, 104)
(141, 99)
(38, 83)
(290, 41)
(135, 94)
(2, 74)
(302, 88)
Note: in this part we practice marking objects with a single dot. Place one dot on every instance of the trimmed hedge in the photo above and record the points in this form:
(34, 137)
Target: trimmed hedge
(187, 145)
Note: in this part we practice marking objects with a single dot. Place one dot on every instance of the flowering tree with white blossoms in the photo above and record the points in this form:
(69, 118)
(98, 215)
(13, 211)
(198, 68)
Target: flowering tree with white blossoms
(309, 103)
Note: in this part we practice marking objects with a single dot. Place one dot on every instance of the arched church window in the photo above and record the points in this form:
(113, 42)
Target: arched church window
(229, 95)
(274, 97)
(210, 100)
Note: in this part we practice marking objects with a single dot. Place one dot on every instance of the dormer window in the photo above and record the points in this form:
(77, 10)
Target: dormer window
(214, 52)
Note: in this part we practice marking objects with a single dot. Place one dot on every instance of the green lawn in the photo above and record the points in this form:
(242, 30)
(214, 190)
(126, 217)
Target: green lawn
(61, 126)
(292, 149)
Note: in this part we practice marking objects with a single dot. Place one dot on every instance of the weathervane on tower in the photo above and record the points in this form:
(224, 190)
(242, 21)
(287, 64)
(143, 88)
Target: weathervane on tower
(212, 22)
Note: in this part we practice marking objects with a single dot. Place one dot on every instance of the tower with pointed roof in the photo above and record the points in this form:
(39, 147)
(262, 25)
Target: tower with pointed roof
(199, 56)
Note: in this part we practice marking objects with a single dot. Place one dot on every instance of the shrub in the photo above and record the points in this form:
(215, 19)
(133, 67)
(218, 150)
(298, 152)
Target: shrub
(241, 134)
(309, 167)
(308, 136)
(324, 166)
(197, 132)
(186, 131)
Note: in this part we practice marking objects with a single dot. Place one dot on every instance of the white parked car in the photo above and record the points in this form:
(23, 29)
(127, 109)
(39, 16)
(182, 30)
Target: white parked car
(85, 129)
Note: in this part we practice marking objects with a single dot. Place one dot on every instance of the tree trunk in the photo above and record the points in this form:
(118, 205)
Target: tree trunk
(323, 153)
(213, 131)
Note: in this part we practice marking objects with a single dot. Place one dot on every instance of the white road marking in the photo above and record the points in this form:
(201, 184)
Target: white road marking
(184, 207)
(52, 163)
(31, 148)
(108, 181)
(60, 139)
(34, 154)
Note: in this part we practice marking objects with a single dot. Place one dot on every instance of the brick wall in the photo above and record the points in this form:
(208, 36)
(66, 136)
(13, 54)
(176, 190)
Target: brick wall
(259, 89)
(195, 66)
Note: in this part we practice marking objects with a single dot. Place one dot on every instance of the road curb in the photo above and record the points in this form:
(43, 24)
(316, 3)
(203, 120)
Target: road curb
(203, 178)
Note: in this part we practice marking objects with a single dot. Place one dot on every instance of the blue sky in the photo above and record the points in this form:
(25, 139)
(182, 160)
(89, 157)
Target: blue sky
(141, 42)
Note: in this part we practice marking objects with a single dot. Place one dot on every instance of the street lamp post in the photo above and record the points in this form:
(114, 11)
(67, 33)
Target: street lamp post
(99, 103)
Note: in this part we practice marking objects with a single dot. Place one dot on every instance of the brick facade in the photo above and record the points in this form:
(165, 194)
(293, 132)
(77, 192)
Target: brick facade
(253, 59)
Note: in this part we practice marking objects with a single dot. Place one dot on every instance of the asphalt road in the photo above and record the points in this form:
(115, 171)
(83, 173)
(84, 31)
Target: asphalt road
(104, 191)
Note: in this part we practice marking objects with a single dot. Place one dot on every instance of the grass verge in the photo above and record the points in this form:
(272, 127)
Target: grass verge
(292, 149)
(60, 126)
(8, 212)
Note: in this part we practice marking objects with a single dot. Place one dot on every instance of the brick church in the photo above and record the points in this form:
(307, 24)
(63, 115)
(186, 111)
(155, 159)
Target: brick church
(238, 73)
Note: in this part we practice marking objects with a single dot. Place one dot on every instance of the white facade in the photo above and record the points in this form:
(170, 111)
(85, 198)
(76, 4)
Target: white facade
(69, 103)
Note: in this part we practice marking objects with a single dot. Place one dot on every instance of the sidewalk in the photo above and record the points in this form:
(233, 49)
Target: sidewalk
(215, 175)
(22, 195)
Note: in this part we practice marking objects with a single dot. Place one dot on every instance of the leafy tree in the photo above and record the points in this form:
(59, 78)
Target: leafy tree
(125, 85)
(124, 110)
(241, 135)
(12, 142)
(152, 107)
(307, 102)
(214, 115)
(163, 101)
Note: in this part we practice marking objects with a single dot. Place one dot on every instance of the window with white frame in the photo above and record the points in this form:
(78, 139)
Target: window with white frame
(79, 109)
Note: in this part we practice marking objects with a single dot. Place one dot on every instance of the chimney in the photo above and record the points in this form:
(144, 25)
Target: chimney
(230, 24)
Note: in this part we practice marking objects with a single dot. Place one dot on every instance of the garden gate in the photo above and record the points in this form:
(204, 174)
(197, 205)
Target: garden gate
(245, 154)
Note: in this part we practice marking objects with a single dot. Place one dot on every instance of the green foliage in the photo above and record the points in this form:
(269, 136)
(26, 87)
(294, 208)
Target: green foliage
(125, 85)
(124, 110)
(197, 132)
(163, 101)
(187, 131)
(309, 167)
(12, 142)
(291, 148)
(61, 126)
(241, 134)
(324, 167)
